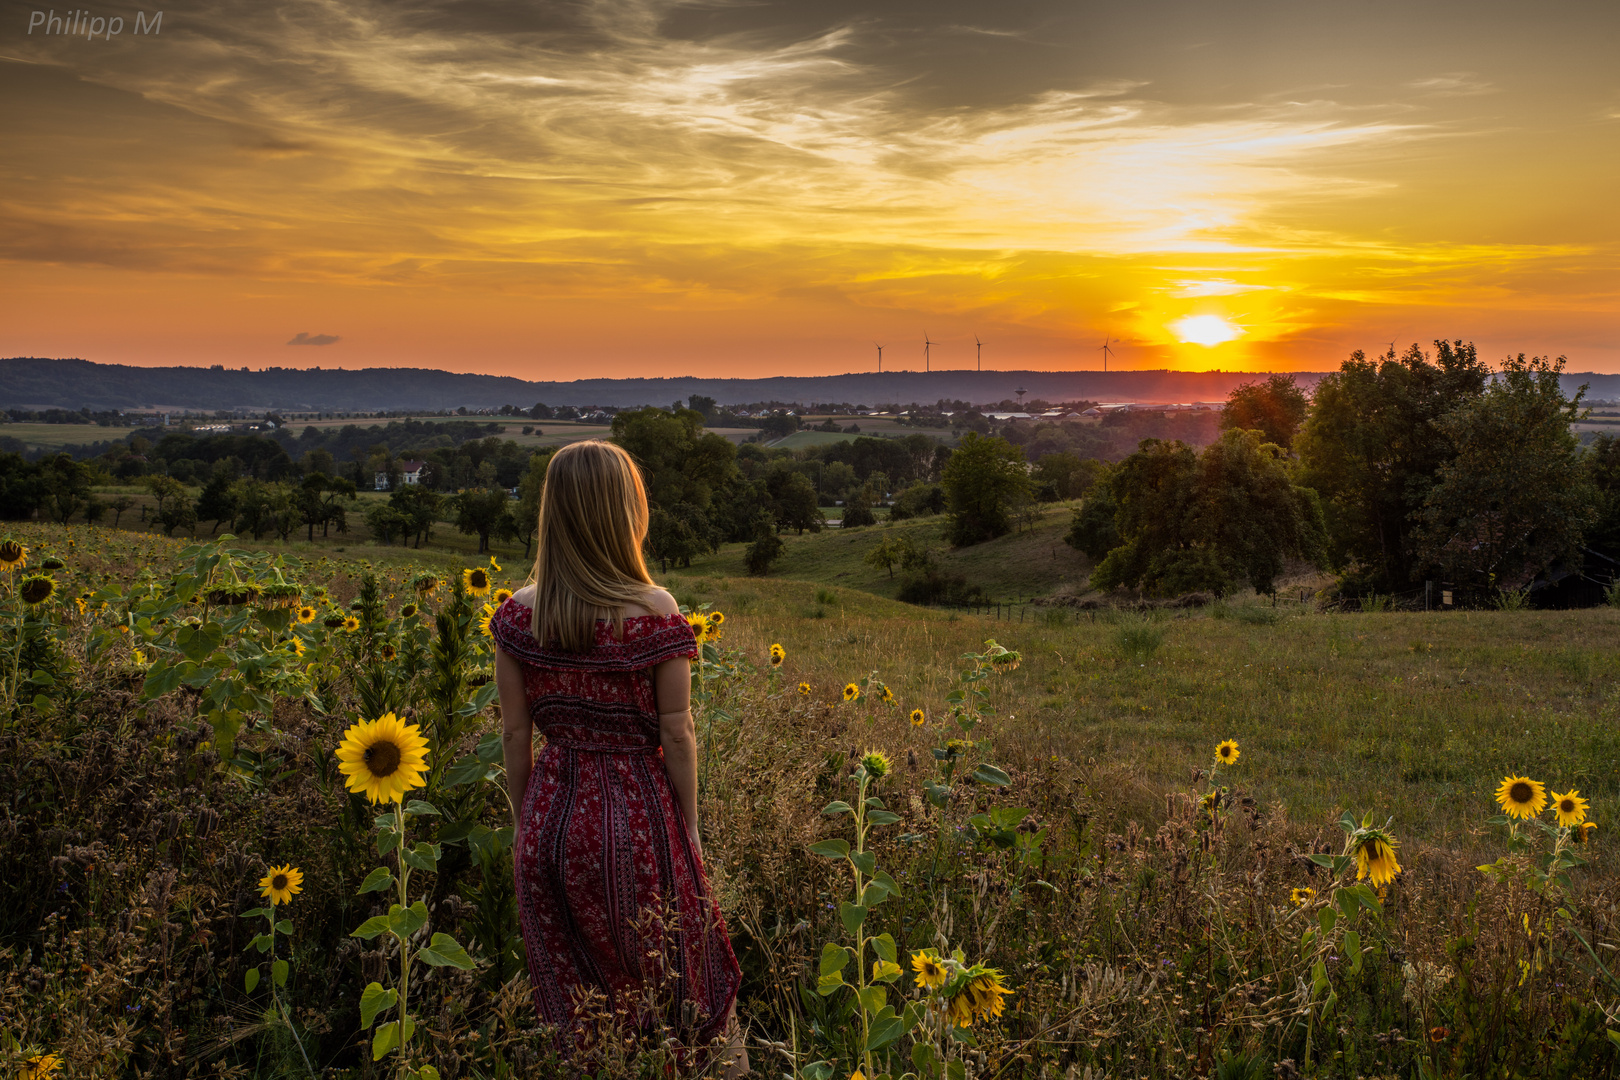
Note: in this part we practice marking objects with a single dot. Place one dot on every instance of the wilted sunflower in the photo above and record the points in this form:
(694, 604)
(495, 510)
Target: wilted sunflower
(918, 718)
(501, 596)
(1227, 752)
(36, 589)
(1375, 857)
(986, 991)
(351, 624)
(1570, 808)
(279, 885)
(804, 689)
(852, 692)
(930, 973)
(40, 1066)
(1301, 897)
(384, 758)
(425, 583)
(876, 763)
(306, 614)
(713, 626)
(960, 1011)
(778, 654)
(389, 652)
(476, 580)
(493, 565)
(13, 556)
(1521, 797)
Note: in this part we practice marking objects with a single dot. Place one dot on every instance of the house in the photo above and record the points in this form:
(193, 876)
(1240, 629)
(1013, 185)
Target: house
(410, 472)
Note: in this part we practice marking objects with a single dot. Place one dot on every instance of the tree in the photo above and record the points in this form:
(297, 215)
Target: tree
(420, 508)
(530, 489)
(1210, 521)
(919, 500)
(672, 539)
(217, 502)
(793, 500)
(1066, 475)
(984, 479)
(178, 514)
(386, 523)
(766, 548)
(118, 504)
(1092, 529)
(163, 489)
(1513, 500)
(1372, 450)
(65, 485)
(858, 512)
(1275, 408)
(480, 511)
(885, 554)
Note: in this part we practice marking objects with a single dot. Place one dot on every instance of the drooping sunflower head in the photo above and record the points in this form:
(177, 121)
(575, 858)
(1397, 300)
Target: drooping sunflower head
(1375, 857)
(876, 763)
(1570, 808)
(40, 1066)
(1301, 897)
(1227, 752)
(804, 689)
(350, 624)
(1521, 797)
(36, 589)
(493, 565)
(293, 646)
(986, 991)
(1584, 833)
(501, 596)
(389, 652)
(930, 973)
(306, 614)
(383, 758)
(852, 692)
(714, 626)
(778, 654)
(918, 718)
(51, 562)
(425, 583)
(476, 580)
(281, 884)
(960, 1011)
(13, 556)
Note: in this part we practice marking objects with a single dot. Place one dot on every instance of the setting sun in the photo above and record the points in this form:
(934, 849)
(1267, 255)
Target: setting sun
(1207, 330)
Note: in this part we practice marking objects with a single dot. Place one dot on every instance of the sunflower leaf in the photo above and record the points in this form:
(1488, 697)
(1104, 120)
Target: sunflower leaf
(884, 946)
(369, 929)
(865, 861)
(417, 808)
(406, 921)
(284, 926)
(989, 774)
(837, 806)
(423, 856)
(373, 1001)
(278, 973)
(465, 771)
(882, 817)
(489, 748)
(1352, 948)
(886, 1027)
(256, 913)
(379, 878)
(853, 915)
(251, 979)
(386, 1039)
(443, 951)
(387, 840)
(830, 849)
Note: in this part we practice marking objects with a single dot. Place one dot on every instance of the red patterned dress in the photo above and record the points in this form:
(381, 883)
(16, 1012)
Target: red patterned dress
(602, 848)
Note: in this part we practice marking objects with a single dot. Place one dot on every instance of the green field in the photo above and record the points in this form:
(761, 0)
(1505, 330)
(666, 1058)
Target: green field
(55, 436)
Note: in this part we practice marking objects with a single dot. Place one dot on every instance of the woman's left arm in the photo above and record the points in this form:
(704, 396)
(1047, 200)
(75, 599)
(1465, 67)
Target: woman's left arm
(517, 729)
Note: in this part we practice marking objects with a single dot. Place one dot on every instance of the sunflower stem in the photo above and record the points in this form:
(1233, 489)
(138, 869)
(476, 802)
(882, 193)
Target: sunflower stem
(404, 944)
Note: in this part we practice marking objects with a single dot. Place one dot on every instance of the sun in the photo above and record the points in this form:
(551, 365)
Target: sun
(1206, 330)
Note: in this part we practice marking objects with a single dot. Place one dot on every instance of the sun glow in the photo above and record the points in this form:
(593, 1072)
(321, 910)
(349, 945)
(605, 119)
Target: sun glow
(1206, 330)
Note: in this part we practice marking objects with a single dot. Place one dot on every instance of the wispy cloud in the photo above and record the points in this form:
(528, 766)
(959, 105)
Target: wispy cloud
(314, 339)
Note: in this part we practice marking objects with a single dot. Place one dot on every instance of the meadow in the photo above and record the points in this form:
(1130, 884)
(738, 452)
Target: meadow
(1048, 872)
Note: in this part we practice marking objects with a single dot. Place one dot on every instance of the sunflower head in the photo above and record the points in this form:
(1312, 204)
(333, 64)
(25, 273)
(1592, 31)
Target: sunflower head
(281, 884)
(778, 654)
(389, 652)
(40, 1066)
(876, 763)
(1375, 857)
(13, 556)
(293, 646)
(804, 689)
(484, 617)
(501, 596)
(699, 625)
(986, 991)
(335, 620)
(384, 758)
(1227, 752)
(1301, 897)
(918, 718)
(717, 618)
(1570, 808)
(1521, 797)
(351, 624)
(887, 696)
(36, 589)
(852, 692)
(408, 611)
(493, 565)
(51, 562)
(1584, 833)
(425, 583)
(306, 614)
(930, 973)
(476, 580)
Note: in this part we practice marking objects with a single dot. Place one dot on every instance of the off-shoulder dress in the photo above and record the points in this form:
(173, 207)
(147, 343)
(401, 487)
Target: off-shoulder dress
(611, 895)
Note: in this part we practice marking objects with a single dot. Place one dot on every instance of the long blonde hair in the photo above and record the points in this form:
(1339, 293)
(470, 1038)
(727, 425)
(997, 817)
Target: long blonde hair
(588, 566)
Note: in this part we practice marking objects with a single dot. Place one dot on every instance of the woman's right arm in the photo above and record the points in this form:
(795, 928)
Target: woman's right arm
(517, 730)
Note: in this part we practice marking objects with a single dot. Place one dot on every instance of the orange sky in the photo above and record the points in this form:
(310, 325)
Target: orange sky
(644, 188)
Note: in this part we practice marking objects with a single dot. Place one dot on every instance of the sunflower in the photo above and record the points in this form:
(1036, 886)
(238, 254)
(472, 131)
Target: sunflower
(887, 696)
(13, 556)
(804, 689)
(279, 885)
(138, 656)
(36, 589)
(1570, 808)
(476, 580)
(40, 1066)
(484, 617)
(384, 758)
(930, 973)
(1521, 797)
(306, 614)
(986, 991)
(1301, 897)
(918, 718)
(717, 618)
(852, 692)
(778, 654)
(1584, 833)
(1438, 1034)
(713, 626)
(501, 596)
(699, 625)
(1375, 858)
(293, 646)
(1227, 752)
(350, 624)
(493, 565)
(389, 652)
(876, 763)
(960, 1011)
(407, 611)
(425, 583)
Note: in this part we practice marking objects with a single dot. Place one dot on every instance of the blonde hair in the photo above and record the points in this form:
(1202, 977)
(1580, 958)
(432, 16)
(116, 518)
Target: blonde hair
(588, 566)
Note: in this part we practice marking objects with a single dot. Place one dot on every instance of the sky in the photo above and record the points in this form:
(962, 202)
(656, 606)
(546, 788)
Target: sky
(643, 188)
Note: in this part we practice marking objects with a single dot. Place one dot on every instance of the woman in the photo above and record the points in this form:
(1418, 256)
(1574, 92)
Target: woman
(610, 884)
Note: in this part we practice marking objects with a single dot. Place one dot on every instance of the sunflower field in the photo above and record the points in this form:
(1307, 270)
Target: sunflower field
(254, 824)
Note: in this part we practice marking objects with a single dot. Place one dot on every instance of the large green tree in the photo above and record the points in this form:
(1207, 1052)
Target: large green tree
(984, 480)
(1275, 408)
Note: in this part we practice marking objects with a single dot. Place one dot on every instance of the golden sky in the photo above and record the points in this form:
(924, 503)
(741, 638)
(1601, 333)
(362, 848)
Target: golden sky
(636, 187)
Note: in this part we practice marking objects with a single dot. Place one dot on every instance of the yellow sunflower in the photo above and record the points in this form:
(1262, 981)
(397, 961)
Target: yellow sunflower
(476, 580)
(294, 646)
(351, 624)
(1521, 797)
(887, 696)
(36, 589)
(1583, 834)
(493, 565)
(281, 883)
(384, 758)
(1570, 808)
(1227, 752)
(40, 1066)
(1301, 897)
(1375, 858)
(918, 718)
(501, 596)
(960, 1011)
(306, 614)
(699, 625)
(483, 619)
(407, 611)
(778, 654)
(717, 618)
(986, 992)
(13, 556)
(852, 692)
(930, 973)
(804, 689)
(389, 652)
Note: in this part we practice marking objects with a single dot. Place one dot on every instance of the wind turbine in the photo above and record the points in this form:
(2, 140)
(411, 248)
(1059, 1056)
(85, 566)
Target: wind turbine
(880, 357)
(926, 343)
(1105, 351)
(979, 350)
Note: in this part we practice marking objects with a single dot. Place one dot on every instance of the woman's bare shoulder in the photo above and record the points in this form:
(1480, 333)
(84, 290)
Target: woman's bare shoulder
(655, 602)
(525, 595)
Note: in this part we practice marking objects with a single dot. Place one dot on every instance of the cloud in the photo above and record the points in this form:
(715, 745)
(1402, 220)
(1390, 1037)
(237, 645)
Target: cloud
(315, 339)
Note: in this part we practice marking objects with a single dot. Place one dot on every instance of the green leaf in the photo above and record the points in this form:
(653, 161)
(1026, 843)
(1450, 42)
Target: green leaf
(256, 913)
(417, 808)
(380, 878)
(853, 915)
(830, 849)
(386, 1039)
(443, 951)
(369, 929)
(923, 1058)
(387, 840)
(263, 942)
(465, 771)
(251, 979)
(374, 1000)
(834, 957)
(882, 817)
(884, 946)
(1328, 918)
(884, 1028)
(1614, 1036)
(489, 748)
(873, 998)
(278, 973)
(1319, 979)
(829, 982)
(874, 894)
(1327, 1006)
(1352, 949)
(284, 926)
(423, 856)
(865, 862)
(1349, 901)
(955, 1070)
(407, 921)
(1323, 860)
(197, 642)
(989, 774)
(837, 806)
